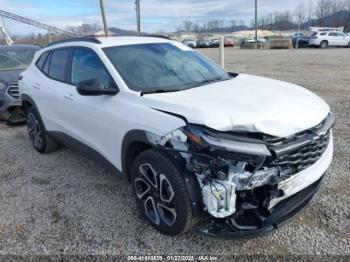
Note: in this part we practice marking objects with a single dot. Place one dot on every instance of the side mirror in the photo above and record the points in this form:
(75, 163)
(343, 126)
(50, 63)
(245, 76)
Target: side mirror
(94, 87)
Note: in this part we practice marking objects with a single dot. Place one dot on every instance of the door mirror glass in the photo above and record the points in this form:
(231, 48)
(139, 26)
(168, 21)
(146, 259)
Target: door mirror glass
(94, 87)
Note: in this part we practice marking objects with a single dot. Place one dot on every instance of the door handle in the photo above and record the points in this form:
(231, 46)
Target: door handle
(69, 97)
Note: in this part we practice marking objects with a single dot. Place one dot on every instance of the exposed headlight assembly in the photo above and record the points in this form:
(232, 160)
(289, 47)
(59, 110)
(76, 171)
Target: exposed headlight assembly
(241, 146)
(224, 164)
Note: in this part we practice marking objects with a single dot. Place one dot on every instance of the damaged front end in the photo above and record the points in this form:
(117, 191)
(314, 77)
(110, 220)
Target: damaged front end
(251, 183)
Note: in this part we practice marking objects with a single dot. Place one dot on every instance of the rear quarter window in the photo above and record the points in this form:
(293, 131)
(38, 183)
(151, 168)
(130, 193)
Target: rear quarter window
(41, 61)
(58, 65)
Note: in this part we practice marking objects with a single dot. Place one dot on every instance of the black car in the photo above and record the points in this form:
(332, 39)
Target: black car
(203, 44)
(300, 41)
(13, 60)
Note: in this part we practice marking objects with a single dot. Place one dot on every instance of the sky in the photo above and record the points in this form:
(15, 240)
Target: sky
(156, 14)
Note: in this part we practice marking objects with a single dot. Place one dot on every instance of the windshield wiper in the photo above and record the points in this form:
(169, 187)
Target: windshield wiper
(209, 81)
(158, 91)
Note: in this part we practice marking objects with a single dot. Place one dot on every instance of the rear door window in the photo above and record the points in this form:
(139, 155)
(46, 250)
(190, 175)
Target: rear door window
(41, 61)
(58, 65)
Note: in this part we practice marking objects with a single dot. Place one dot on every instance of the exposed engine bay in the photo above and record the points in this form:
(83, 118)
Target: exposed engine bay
(239, 174)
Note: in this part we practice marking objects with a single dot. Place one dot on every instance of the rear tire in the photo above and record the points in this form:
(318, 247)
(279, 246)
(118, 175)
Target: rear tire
(160, 192)
(41, 140)
(324, 44)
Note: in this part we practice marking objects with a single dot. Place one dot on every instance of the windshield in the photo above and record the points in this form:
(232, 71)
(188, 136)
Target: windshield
(15, 59)
(163, 67)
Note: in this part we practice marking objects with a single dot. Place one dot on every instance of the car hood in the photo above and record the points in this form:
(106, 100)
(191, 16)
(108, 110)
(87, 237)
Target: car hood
(10, 77)
(246, 103)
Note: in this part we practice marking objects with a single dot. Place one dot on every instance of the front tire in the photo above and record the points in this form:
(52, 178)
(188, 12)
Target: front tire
(160, 192)
(38, 135)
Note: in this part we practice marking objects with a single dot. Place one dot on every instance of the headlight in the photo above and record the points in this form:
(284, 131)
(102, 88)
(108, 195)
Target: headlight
(2, 86)
(232, 144)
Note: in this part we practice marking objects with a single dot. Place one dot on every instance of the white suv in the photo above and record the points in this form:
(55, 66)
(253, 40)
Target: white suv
(326, 39)
(239, 154)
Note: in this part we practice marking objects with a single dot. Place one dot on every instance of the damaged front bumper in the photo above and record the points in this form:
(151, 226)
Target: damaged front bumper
(298, 191)
(281, 214)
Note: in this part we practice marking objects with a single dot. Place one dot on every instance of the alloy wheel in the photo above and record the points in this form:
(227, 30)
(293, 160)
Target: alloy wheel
(157, 195)
(35, 131)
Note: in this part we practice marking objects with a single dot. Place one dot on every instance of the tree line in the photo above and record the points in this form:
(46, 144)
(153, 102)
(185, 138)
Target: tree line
(306, 13)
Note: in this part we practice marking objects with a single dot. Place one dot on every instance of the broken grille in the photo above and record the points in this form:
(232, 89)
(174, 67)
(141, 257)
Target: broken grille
(13, 91)
(302, 150)
(302, 158)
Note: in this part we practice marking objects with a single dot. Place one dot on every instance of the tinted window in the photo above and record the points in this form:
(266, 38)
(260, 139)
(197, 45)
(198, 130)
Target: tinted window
(323, 33)
(58, 64)
(47, 64)
(86, 65)
(163, 66)
(333, 34)
(42, 60)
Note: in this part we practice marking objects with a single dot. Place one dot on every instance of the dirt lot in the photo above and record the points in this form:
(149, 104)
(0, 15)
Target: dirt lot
(65, 203)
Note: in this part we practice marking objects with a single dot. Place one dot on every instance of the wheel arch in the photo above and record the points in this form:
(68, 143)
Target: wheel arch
(134, 142)
(27, 102)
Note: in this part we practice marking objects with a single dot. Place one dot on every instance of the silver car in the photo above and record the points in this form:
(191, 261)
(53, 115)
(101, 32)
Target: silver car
(13, 60)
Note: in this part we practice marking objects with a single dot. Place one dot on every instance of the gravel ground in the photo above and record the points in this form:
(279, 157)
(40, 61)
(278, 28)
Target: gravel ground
(63, 203)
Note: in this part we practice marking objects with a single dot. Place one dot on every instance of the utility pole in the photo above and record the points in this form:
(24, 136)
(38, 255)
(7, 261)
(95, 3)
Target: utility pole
(256, 24)
(222, 51)
(138, 16)
(104, 18)
(49, 34)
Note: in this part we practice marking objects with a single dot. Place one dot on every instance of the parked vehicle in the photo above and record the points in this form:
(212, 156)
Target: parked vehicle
(215, 43)
(203, 44)
(248, 41)
(252, 40)
(300, 41)
(13, 60)
(228, 42)
(326, 39)
(240, 153)
(190, 43)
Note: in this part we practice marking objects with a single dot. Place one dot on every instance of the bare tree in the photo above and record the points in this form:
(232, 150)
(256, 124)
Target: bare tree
(187, 25)
(233, 23)
(241, 22)
(84, 28)
(196, 27)
(300, 14)
(323, 9)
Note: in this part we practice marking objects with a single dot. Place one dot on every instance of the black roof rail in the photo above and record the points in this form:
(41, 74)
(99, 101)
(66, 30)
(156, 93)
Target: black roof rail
(75, 39)
(158, 36)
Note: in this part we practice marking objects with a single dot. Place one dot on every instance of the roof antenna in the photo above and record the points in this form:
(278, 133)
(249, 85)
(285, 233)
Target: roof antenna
(104, 18)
